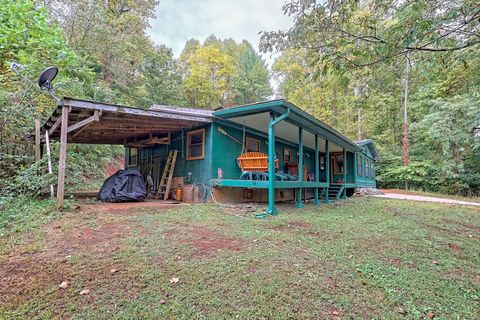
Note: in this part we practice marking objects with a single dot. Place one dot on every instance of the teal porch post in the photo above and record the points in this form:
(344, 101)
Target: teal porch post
(344, 173)
(327, 169)
(271, 160)
(355, 167)
(317, 170)
(271, 166)
(299, 203)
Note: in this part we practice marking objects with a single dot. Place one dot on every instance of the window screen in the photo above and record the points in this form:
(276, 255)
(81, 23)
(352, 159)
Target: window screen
(195, 144)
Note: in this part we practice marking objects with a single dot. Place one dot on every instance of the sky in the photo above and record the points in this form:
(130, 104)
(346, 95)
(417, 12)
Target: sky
(179, 20)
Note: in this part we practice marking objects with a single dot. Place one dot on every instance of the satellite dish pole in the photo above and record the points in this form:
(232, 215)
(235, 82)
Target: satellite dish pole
(45, 83)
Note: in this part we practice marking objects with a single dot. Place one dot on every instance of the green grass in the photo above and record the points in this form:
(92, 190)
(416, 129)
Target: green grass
(24, 213)
(362, 258)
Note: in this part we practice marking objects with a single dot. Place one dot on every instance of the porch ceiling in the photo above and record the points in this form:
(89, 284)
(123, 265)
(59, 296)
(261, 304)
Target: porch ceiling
(102, 123)
(257, 116)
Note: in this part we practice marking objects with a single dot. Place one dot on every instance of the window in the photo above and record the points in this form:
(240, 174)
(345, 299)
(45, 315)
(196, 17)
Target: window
(359, 165)
(322, 162)
(367, 168)
(195, 144)
(372, 169)
(338, 163)
(252, 145)
(132, 157)
(287, 155)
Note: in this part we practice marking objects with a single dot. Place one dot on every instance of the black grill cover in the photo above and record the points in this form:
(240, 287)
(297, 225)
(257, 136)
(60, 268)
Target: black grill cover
(123, 186)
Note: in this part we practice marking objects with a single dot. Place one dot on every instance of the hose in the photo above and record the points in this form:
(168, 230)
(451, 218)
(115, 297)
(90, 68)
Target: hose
(204, 195)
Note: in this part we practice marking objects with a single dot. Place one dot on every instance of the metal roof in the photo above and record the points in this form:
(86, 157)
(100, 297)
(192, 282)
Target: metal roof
(105, 123)
(368, 143)
(297, 117)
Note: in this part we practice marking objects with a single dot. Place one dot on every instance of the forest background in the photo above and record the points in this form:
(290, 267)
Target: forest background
(344, 62)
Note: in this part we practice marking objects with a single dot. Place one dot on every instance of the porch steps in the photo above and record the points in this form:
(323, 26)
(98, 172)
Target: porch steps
(334, 193)
(166, 180)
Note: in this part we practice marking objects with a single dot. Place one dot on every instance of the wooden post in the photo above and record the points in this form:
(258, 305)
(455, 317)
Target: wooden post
(63, 156)
(37, 140)
(49, 161)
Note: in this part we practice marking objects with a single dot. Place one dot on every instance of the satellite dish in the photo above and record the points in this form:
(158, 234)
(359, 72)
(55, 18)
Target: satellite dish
(46, 78)
(45, 81)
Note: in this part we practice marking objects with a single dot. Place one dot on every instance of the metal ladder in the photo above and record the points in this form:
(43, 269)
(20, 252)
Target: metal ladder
(166, 180)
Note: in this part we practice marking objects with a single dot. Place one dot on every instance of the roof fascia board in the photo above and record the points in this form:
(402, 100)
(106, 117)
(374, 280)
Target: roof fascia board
(84, 104)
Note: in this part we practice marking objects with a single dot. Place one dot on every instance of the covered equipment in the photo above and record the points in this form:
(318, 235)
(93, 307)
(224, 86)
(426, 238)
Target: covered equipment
(123, 186)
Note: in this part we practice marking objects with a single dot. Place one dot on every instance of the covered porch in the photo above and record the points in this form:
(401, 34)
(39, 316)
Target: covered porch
(334, 163)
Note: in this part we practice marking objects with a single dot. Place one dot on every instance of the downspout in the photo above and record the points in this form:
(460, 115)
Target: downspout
(271, 160)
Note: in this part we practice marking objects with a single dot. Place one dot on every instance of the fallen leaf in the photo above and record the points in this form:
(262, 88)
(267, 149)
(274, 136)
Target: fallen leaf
(430, 316)
(162, 301)
(435, 262)
(335, 313)
(84, 292)
(174, 280)
(113, 270)
(63, 285)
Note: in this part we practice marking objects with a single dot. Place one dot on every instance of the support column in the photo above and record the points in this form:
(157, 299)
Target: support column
(327, 169)
(355, 167)
(49, 161)
(37, 140)
(344, 173)
(317, 171)
(299, 203)
(62, 158)
(271, 167)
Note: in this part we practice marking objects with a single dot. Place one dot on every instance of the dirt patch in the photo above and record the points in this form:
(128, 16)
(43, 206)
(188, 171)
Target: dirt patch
(454, 246)
(115, 164)
(206, 242)
(132, 206)
(76, 248)
(468, 226)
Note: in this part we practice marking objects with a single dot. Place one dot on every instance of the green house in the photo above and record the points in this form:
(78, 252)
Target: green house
(286, 153)
(208, 155)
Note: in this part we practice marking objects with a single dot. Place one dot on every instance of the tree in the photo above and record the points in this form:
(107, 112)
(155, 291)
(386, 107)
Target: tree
(246, 81)
(162, 78)
(363, 33)
(207, 81)
(110, 36)
(251, 82)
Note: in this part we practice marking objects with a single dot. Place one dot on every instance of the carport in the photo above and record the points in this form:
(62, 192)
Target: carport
(88, 122)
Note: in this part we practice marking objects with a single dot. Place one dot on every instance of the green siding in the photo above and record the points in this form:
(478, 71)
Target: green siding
(364, 180)
(222, 151)
(201, 169)
(226, 151)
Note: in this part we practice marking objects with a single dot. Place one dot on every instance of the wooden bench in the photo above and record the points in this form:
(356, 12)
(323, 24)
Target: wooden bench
(254, 161)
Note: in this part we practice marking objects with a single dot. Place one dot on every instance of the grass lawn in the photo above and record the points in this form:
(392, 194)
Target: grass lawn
(361, 258)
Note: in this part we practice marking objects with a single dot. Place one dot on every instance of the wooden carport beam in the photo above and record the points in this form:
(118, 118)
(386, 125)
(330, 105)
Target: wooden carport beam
(63, 156)
(84, 123)
(55, 126)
